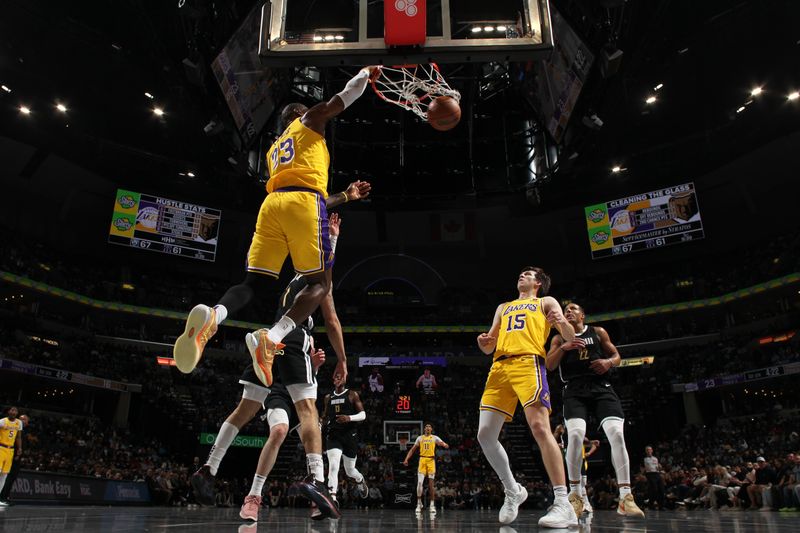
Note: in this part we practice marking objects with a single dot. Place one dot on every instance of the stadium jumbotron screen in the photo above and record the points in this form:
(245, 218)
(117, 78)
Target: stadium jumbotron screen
(163, 225)
(643, 221)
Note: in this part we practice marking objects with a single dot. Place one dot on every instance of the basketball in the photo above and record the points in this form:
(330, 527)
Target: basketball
(444, 113)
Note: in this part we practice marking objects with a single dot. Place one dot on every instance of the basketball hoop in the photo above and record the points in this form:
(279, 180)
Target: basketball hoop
(403, 442)
(412, 87)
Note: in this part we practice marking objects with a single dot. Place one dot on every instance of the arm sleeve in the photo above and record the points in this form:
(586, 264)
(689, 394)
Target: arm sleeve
(354, 88)
(358, 417)
(419, 439)
(437, 439)
(2, 423)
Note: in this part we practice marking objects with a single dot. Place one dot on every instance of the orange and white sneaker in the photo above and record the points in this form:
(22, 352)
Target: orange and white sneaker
(263, 351)
(627, 507)
(201, 325)
(250, 508)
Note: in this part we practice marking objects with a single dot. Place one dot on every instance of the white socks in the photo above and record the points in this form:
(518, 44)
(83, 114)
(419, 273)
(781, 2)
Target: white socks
(619, 455)
(334, 458)
(2, 480)
(227, 432)
(315, 466)
(222, 313)
(489, 426)
(258, 485)
(280, 330)
(624, 490)
(583, 486)
(560, 493)
(351, 470)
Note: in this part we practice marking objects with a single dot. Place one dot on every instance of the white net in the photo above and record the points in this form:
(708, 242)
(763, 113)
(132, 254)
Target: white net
(413, 87)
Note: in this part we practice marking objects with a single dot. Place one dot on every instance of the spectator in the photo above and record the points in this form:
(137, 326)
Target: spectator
(655, 480)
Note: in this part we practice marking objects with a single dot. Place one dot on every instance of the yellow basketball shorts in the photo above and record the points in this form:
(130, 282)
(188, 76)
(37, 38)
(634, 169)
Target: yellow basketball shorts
(6, 458)
(294, 222)
(427, 466)
(522, 379)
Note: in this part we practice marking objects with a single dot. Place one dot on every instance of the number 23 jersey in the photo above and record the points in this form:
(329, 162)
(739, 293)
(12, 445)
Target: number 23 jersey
(298, 158)
(523, 329)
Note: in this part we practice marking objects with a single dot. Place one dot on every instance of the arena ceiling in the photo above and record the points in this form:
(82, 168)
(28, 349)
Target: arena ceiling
(99, 59)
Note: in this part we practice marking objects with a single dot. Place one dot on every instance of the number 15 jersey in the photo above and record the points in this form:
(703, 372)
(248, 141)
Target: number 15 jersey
(523, 329)
(298, 158)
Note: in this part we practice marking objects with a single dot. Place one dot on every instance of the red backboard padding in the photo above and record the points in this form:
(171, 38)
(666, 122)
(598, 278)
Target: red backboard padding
(405, 22)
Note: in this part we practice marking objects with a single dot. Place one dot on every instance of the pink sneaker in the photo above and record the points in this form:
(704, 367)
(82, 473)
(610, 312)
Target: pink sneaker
(250, 508)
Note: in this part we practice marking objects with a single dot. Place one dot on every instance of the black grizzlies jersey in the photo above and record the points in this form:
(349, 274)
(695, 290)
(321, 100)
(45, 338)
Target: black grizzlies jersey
(340, 404)
(575, 363)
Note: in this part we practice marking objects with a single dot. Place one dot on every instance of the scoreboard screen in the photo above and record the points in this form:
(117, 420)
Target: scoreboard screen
(164, 225)
(644, 221)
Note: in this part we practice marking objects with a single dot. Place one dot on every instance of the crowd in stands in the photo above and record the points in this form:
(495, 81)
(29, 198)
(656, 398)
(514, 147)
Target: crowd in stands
(703, 467)
(738, 463)
(701, 277)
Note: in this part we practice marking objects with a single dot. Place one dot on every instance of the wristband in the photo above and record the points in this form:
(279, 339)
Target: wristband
(346, 198)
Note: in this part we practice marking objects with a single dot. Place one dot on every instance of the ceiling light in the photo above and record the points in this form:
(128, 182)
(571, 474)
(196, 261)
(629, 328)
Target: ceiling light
(190, 174)
(158, 111)
(25, 110)
(658, 87)
(5, 88)
(317, 38)
(683, 50)
(740, 109)
(61, 107)
(150, 96)
(477, 29)
(340, 37)
(501, 28)
(793, 96)
(650, 99)
(615, 169)
(488, 28)
(329, 37)
(756, 91)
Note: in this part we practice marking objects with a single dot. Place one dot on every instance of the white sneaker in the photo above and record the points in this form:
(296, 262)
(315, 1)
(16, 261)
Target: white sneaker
(587, 506)
(559, 515)
(419, 506)
(510, 508)
(432, 509)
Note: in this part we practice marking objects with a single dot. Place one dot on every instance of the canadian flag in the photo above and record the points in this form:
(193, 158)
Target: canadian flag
(453, 227)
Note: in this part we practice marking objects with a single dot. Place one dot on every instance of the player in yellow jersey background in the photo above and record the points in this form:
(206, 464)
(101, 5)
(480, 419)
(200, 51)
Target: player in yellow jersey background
(10, 444)
(426, 444)
(517, 339)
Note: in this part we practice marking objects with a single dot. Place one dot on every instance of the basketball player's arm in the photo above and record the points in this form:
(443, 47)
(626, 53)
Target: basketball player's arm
(443, 444)
(325, 404)
(595, 445)
(358, 190)
(333, 328)
(487, 342)
(419, 381)
(601, 366)
(413, 449)
(558, 349)
(360, 415)
(552, 309)
(318, 116)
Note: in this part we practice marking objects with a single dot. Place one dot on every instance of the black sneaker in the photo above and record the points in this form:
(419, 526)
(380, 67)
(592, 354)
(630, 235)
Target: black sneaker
(318, 493)
(203, 485)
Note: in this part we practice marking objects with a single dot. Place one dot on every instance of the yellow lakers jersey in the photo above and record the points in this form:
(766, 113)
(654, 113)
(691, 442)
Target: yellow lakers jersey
(427, 445)
(523, 329)
(299, 158)
(9, 432)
